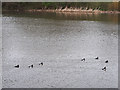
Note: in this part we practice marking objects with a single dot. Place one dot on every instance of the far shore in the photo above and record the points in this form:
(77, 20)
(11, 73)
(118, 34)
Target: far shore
(82, 11)
(73, 10)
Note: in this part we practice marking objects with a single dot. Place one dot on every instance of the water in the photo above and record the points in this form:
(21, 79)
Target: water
(60, 40)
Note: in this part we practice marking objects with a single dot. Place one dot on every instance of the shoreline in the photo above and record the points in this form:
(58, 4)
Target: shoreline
(81, 11)
(74, 10)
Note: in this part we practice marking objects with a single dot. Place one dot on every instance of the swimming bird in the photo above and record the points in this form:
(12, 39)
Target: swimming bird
(106, 61)
(83, 59)
(97, 58)
(31, 66)
(17, 66)
(41, 63)
(104, 68)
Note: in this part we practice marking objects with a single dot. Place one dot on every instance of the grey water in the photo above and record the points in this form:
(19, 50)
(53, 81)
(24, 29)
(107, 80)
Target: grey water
(59, 40)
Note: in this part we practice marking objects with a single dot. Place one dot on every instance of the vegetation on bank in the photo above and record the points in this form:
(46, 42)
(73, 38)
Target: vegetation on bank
(103, 6)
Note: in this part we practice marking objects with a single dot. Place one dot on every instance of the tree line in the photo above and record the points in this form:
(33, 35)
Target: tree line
(104, 6)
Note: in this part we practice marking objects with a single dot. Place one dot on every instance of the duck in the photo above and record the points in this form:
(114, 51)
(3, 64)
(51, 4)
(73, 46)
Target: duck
(17, 66)
(31, 66)
(41, 63)
(104, 68)
(83, 59)
(97, 58)
(106, 61)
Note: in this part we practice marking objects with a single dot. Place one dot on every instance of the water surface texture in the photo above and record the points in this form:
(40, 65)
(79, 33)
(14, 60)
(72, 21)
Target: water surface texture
(60, 41)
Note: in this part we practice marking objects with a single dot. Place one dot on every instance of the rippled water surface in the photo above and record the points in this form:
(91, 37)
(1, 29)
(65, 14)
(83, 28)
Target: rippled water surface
(60, 40)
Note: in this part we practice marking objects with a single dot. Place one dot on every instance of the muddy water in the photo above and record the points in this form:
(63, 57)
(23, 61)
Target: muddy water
(60, 40)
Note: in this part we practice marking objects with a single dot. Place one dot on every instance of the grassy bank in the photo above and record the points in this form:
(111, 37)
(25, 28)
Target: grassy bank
(62, 6)
(70, 10)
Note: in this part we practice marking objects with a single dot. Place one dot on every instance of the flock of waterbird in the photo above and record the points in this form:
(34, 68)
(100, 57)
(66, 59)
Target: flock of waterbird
(83, 59)
(104, 68)
(30, 66)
